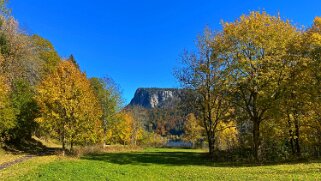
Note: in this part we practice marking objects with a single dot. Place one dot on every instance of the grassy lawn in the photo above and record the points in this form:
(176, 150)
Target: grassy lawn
(8, 157)
(153, 164)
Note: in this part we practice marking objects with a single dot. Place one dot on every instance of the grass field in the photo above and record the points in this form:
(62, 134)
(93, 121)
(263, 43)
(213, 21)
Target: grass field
(153, 164)
(8, 157)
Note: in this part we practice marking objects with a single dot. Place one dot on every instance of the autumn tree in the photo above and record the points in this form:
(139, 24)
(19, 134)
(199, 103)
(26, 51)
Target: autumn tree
(124, 129)
(4, 10)
(19, 58)
(193, 131)
(256, 52)
(204, 73)
(140, 116)
(310, 49)
(23, 56)
(293, 105)
(227, 135)
(73, 60)
(21, 67)
(69, 108)
(109, 99)
(46, 53)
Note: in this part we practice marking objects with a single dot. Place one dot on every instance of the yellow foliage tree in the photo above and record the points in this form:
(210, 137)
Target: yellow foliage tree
(124, 130)
(310, 124)
(256, 48)
(227, 135)
(192, 129)
(69, 108)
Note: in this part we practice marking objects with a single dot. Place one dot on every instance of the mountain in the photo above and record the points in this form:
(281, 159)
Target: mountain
(151, 98)
(160, 109)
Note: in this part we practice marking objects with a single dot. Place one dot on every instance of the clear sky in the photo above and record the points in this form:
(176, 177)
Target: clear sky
(138, 42)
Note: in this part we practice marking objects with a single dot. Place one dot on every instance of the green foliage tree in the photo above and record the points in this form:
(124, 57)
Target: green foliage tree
(7, 112)
(22, 97)
(22, 65)
(46, 53)
(109, 99)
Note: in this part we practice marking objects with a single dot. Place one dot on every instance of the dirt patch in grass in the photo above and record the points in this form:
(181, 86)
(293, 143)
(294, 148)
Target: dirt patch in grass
(6, 157)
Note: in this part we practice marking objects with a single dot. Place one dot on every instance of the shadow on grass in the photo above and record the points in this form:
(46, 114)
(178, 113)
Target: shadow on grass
(30, 146)
(173, 159)
(167, 158)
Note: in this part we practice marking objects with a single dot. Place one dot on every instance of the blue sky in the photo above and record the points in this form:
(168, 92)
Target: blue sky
(138, 43)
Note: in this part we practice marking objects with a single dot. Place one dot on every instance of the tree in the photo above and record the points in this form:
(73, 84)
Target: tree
(4, 10)
(193, 131)
(22, 97)
(227, 135)
(204, 73)
(310, 86)
(19, 57)
(46, 53)
(7, 112)
(21, 67)
(293, 105)
(256, 51)
(109, 98)
(69, 107)
(124, 129)
(73, 60)
(140, 117)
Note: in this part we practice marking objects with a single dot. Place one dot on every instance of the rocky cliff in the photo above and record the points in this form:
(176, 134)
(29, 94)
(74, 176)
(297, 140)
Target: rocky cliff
(159, 110)
(155, 97)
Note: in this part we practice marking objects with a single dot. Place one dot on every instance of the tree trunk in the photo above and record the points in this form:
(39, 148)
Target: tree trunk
(297, 140)
(319, 147)
(256, 140)
(211, 144)
(105, 132)
(291, 142)
(291, 135)
(63, 143)
(71, 146)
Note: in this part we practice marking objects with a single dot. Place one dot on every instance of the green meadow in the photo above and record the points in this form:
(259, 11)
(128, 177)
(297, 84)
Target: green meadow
(154, 164)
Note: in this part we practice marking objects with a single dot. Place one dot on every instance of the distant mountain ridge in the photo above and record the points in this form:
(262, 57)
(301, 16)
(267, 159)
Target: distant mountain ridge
(155, 97)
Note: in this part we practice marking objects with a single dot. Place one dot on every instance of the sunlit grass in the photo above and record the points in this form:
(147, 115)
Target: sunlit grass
(6, 157)
(154, 164)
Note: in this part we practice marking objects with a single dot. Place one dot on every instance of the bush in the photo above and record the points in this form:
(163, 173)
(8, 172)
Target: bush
(99, 149)
(153, 140)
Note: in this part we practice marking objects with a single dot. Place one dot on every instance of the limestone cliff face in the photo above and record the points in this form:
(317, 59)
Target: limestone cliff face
(155, 97)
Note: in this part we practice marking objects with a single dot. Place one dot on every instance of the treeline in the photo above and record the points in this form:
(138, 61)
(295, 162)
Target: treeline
(44, 95)
(257, 82)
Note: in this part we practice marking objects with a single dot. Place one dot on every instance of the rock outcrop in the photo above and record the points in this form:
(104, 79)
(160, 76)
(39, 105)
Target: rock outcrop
(155, 97)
